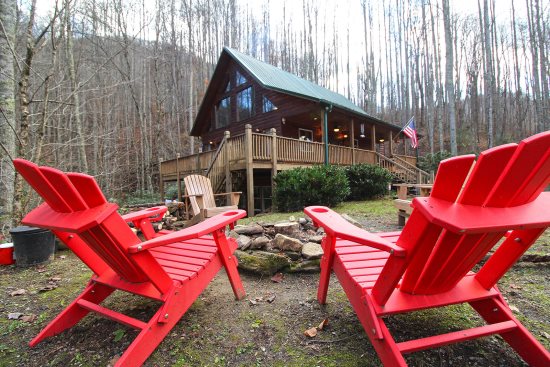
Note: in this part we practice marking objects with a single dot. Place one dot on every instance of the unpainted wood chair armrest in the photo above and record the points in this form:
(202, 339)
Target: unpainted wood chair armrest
(234, 196)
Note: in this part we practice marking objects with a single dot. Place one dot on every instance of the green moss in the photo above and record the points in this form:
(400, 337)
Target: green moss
(260, 262)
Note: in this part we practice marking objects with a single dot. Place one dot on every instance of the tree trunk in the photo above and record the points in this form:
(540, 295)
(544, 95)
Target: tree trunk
(7, 106)
(449, 82)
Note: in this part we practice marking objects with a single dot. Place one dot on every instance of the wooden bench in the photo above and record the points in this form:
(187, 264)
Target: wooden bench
(402, 204)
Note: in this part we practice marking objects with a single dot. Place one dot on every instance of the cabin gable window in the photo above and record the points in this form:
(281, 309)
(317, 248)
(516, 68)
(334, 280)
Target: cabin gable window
(267, 105)
(244, 104)
(239, 79)
(223, 112)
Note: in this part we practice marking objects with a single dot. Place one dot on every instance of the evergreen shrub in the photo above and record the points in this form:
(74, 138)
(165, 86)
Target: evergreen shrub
(367, 181)
(318, 185)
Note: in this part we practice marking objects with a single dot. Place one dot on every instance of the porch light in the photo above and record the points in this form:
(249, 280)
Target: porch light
(210, 142)
(336, 129)
(362, 135)
(381, 140)
(315, 118)
(345, 136)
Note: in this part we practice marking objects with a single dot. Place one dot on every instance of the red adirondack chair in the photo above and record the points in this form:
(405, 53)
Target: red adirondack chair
(428, 264)
(172, 268)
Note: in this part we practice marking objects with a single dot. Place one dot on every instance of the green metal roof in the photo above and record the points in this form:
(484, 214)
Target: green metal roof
(271, 77)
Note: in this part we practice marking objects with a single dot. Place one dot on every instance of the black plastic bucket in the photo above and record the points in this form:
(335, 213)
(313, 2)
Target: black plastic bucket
(32, 246)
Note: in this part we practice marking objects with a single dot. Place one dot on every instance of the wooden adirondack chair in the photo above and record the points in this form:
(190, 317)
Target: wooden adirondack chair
(172, 268)
(429, 263)
(199, 191)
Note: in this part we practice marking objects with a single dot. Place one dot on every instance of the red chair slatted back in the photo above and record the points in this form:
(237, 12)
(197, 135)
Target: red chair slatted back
(199, 185)
(66, 193)
(505, 176)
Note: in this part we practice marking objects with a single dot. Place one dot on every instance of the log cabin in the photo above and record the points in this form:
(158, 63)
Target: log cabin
(256, 119)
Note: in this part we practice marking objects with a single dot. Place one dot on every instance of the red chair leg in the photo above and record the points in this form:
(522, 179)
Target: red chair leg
(229, 262)
(149, 338)
(324, 278)
(326, 268)
(73, 313)
(524, 343)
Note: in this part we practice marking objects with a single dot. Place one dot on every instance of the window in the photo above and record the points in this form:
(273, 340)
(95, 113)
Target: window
(227, 87)
(305, 134)
(267, 105)
(244, 104)
(239, 79)
(223, 112)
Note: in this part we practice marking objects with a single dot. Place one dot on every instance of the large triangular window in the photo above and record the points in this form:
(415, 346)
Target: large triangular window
(239, 79)
(227, 87)
(267, 105)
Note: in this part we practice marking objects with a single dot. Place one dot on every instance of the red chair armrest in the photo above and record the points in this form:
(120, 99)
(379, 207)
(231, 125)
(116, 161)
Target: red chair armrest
(153, 214)
(337, 226)
(208, 226)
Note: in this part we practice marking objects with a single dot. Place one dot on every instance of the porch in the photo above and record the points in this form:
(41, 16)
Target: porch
(252, 151)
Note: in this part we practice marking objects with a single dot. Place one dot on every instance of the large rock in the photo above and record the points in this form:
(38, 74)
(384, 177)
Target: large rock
(285, 243)
(243, 242)
(249, 230)
(287, 228)
(306, 266)
(351, 220)
(316, 238)
(261, 262)
(312, 250)
(259, 243)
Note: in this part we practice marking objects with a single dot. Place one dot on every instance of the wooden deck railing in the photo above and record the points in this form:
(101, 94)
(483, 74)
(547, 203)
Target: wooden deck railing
(423, 177)
(232, 155)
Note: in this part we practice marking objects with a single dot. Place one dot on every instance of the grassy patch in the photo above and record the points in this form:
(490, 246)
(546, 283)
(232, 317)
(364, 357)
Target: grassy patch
(354, 208)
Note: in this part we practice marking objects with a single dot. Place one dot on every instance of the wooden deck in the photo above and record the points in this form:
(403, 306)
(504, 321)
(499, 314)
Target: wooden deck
(250, 151)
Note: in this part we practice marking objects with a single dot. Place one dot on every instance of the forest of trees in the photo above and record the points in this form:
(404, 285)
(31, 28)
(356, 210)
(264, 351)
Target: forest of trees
(109, 87)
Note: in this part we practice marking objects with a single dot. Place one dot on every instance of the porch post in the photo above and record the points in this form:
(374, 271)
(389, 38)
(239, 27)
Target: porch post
(178, 182)
(391, 144)
(405, 145)
(327, 109)
(249, 169)
(228, 183)
(352, 141)
(273, 164)
(161, 181)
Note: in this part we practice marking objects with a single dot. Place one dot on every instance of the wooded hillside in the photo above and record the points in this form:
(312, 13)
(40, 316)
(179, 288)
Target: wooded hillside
(109, 86)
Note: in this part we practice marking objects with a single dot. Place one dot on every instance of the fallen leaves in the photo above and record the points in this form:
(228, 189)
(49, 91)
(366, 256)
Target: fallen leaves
(277, 278)
(18, 292)
(268, 298)
(28, 318)
(20, 316)
(53, 283)
(312, 332)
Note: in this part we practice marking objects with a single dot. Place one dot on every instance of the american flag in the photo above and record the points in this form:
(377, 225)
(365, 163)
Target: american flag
(410, 131)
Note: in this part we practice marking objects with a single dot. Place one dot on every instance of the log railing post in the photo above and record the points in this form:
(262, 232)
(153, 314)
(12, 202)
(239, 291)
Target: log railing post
(161, 181)
(352, 141)
(249, 169)
(391, 144)
(273, 164)
(178, 182)
(228, 183)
